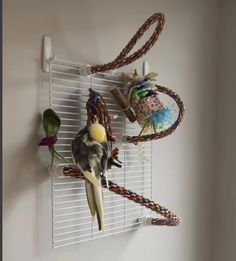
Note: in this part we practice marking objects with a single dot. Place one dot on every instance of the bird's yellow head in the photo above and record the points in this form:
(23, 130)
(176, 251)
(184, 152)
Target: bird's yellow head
(97, 132)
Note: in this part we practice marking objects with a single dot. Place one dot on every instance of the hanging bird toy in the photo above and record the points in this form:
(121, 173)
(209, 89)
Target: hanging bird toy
(143, 98)
(140, 102)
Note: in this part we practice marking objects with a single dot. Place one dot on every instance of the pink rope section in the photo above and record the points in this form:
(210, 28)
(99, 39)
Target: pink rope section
(170, 219)
(122, 59)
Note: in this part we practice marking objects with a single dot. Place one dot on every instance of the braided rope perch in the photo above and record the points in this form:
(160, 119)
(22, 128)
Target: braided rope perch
(170, 219)
(122, 59)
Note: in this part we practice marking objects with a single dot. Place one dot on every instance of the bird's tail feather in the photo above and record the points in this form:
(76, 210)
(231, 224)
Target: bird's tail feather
(99, 205)
(91, 199)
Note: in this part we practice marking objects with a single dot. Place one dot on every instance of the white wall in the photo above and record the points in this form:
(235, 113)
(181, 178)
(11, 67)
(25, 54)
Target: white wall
(225, 174)
(94, 32)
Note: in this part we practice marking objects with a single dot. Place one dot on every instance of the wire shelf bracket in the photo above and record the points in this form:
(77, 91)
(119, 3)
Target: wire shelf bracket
(71, 219)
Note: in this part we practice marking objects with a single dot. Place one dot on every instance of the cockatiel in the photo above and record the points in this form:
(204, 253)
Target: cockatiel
(90, 152)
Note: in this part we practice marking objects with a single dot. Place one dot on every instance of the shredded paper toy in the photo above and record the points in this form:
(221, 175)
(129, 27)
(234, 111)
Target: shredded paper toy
(143, 97)
(140, 102)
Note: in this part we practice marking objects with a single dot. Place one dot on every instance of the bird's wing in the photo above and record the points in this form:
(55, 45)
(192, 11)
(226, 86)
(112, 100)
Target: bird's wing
(81, 153)
(79, 149)
(82, 149)
(88, 156)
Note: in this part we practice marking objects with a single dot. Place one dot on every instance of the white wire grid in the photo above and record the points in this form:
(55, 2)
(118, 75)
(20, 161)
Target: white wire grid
(71, 221)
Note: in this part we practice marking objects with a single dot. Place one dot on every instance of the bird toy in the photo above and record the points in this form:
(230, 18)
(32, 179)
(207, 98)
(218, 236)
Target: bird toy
(140, 102)
(143, 98)
(97, 110)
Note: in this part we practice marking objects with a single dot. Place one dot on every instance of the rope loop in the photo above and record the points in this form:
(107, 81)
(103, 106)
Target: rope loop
(122, 59)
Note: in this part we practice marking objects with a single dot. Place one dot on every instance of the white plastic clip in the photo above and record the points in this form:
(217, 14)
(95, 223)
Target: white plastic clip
(47, 53)
(145, 68)
(85, 70)
(58, 170)
(145, 221)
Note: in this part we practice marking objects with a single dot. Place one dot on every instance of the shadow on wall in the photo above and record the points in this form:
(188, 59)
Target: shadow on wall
(29, 173)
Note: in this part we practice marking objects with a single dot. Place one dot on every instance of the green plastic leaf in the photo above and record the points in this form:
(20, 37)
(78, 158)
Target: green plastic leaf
(51, 126)
(51, 122)
(49, 113)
